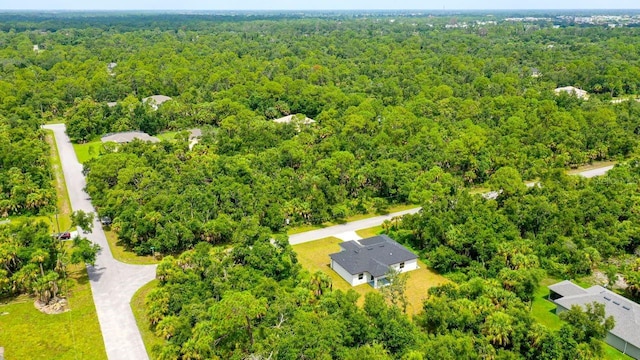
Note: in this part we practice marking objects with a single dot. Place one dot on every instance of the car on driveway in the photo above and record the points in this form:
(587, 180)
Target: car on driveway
(63, 235)
(105, 220)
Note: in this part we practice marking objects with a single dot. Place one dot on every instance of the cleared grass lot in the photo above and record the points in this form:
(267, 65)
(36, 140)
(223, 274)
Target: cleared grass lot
(138, 305)
(87, 151)
(121, 254)
(26, 333)
(365, 233)
(314, 256)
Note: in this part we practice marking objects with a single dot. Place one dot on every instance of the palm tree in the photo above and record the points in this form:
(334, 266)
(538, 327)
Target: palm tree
(537, 333)
(319, 283)
(39, 256)
(498, 328)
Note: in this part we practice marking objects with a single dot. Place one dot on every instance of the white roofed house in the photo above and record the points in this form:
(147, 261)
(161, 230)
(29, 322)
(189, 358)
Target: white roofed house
(128, 136)
(369, 260)
(625, 335)
(293, 118)
(579, 93)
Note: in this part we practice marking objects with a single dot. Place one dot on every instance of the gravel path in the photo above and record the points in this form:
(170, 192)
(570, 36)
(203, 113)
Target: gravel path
(113, 283)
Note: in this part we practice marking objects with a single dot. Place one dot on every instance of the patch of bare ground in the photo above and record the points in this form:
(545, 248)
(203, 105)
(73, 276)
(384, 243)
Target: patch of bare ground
(54, 306)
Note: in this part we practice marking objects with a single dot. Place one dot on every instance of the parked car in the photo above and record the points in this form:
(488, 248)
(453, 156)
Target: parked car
(62, 235)
(105, 220)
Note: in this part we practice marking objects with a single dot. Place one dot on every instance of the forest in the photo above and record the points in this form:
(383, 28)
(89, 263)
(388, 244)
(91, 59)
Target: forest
(406, 110)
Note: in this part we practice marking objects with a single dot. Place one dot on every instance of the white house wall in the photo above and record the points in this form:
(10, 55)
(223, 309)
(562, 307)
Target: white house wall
(343, 273)
(408, 265)
(623, 346)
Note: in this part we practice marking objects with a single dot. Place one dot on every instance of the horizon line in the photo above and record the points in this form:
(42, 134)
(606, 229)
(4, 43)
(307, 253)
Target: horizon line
(354, 9)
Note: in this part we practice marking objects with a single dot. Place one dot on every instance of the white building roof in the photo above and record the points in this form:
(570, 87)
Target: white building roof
(579, 93)
(289, 118)
(625, 312)
(125, 137)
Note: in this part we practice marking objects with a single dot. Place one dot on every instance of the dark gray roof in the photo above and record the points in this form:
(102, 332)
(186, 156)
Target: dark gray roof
(567, 288)
(625, 312)
(373, 255)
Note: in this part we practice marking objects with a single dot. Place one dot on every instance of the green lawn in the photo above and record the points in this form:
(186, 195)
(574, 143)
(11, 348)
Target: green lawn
(543, 310)
(366, 233)
(87, 151)
(611, 353)
(314, 256)
(63, 220)
(304, 228)
(121, 254)
(26, 333)
(169, 135)
(139, 311)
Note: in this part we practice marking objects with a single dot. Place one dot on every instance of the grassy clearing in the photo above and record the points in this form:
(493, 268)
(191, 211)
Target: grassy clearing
(87, 151)
(304, 228)
(138, 306)
(26, 333)
(314, 256)
(543, 310)
(169, 135)
(611, 353)
(121, 254)
(373, 231)
(62, 196)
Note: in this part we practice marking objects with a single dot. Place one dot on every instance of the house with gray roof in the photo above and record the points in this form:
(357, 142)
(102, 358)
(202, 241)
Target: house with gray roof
(125, 137)
(625, 335)
(369, 260)
(156, 100)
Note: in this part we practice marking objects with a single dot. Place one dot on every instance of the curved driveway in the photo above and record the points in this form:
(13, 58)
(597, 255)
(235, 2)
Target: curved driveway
(113, 283)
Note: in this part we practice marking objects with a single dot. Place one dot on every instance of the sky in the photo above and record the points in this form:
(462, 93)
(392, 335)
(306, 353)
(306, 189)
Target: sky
(313, 5)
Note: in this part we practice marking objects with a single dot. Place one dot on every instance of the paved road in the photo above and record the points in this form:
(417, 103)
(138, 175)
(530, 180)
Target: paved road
(345, 230)
(595, 172)
(113, 283)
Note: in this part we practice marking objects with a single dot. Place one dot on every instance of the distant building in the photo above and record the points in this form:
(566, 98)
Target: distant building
(368, 260)
(195, 133)
(625, 335)
(291, 118)
(579, 93)
(125, 137)
(110, 67)
(156, 100)
(535, 73)
(194, 137)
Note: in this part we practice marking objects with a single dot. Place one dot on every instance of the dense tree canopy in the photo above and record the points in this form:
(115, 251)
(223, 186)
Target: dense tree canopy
(407, 109)
(25, 171)
(34, 262)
